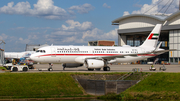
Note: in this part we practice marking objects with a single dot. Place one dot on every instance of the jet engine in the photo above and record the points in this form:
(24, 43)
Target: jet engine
(92, 63)
(71, 65)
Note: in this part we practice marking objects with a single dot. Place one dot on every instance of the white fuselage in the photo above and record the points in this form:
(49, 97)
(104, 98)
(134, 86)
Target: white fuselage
(78, 54)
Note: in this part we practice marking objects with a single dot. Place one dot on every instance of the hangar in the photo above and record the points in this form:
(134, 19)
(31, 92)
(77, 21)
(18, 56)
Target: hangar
(134, 29)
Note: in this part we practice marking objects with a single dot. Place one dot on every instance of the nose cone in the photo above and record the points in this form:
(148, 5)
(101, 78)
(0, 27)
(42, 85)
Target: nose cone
(33, 57)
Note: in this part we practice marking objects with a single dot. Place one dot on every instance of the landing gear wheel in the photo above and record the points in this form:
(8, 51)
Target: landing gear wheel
(90, 69)
(107, 68)
(50, 67)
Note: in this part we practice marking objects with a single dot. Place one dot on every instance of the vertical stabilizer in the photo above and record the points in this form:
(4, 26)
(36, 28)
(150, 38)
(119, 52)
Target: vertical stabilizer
(152, 39)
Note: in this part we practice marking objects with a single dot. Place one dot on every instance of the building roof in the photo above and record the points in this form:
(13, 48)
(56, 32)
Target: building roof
(135, 15)
(159, 18)
(100, 40)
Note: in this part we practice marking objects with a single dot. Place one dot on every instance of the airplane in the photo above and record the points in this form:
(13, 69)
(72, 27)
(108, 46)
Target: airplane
(18, 55)
(97, 57)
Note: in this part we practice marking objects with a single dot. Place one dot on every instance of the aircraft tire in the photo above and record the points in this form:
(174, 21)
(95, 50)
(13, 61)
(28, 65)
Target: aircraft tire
(50, 69)
(108, 68)
(105, 68)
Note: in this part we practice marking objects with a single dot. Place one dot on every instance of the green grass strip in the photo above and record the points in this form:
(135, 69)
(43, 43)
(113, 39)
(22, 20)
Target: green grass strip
(3, 68)
(157, 86)
(29, 85)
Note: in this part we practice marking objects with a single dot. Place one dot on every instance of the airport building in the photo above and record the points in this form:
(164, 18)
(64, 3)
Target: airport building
(101, 43)
(34, 47)
(134, 29)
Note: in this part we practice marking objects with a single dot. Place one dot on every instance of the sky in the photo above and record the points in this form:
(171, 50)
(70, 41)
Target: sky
(69, 22)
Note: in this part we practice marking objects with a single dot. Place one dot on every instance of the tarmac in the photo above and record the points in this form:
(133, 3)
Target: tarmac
(114, 68)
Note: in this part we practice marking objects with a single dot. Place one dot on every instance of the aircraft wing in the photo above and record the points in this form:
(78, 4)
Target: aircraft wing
(154, 53)
(12, 57)
(163, 51)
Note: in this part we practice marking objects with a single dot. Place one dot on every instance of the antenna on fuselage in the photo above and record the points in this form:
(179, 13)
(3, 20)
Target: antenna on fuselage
(51, 44)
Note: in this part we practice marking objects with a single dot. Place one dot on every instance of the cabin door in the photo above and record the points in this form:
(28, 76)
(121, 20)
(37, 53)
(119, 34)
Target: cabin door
(53, 52)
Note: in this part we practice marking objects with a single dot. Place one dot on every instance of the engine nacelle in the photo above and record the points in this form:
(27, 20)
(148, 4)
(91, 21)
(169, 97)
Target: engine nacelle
(92, 63)
(71, 65)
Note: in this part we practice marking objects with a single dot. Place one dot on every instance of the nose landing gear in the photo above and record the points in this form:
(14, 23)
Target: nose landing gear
(50, 67)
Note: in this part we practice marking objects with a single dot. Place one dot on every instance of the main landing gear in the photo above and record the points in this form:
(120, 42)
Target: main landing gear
(50, 67)
(106, 68)
(64, 66)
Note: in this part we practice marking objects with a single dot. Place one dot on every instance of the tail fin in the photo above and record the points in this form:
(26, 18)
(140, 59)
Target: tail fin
(153, 37)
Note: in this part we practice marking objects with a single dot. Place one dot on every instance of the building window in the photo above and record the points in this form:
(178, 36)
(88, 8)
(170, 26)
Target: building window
(164, 44)
(137, 43)
(130, 42)
(171, 59)
(176, 60)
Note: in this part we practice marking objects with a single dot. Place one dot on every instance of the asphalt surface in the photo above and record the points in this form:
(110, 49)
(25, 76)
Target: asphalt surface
(114, 68)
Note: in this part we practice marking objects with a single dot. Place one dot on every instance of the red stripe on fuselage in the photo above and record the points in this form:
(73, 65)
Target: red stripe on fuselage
(78, 55)
(91, 55)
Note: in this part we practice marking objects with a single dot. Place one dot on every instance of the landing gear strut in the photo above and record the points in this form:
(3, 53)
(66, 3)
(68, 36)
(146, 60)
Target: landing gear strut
(106, 68)
(64, 66)
(50, 67)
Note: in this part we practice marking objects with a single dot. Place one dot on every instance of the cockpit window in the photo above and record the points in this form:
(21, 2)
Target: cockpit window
(37, 51)
(41, 51)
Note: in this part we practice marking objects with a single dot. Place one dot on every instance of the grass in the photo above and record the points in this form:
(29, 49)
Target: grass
(3, 68)
(159, 82)
(38, 85)
(153, 86)
(157, 86)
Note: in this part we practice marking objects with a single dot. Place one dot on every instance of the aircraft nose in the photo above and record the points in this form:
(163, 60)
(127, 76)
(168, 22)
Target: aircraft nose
(32, 57)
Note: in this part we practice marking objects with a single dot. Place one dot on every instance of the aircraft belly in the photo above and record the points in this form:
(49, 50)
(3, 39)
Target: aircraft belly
(59, 59)
(68, 59)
